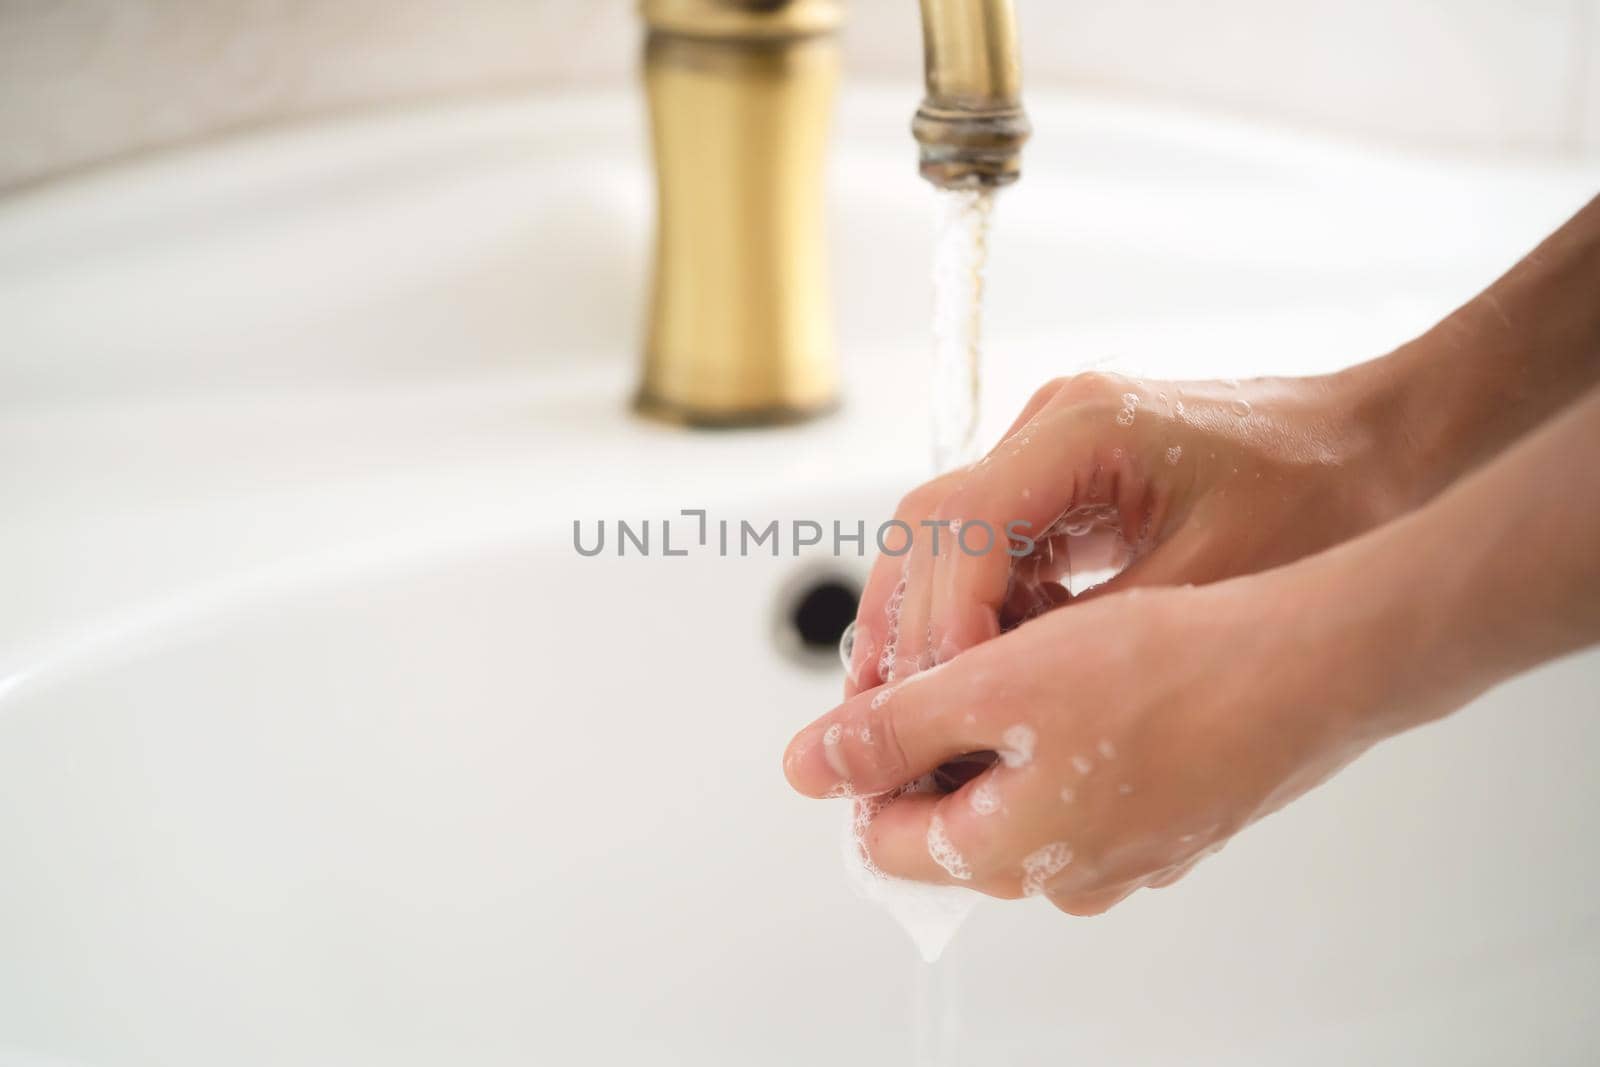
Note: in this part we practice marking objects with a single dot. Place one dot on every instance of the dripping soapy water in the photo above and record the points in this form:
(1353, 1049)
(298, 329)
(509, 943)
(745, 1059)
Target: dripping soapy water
(935, 1018)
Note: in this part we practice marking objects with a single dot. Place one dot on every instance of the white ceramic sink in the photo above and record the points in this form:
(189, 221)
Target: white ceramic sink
(320, 744)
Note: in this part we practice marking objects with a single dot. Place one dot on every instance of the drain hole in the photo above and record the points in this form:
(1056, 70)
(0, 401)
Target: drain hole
(821, 613)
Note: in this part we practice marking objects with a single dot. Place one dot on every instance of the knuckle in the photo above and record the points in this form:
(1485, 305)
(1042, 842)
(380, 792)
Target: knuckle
(1093, 386)
(907, 507)
(882, 738)
(1047, 392)
(981, 852)
(960, 504)
(918, 502)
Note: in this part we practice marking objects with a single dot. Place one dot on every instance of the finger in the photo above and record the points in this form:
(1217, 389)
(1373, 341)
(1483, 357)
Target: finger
(1087, 905)
(1174, 874)
(882, 739)
(1036, 403)
(1182, 560)
(874, 619)
(1076, 456)
(911, 625)
(938, 839)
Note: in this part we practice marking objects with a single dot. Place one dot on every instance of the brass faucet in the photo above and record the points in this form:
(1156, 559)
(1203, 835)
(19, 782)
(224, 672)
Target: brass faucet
(741, 94)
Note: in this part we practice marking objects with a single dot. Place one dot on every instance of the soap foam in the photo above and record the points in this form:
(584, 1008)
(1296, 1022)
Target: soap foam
(1130, 408)
(985, 796)
(944, 851)
(1040, 866)
(891, 641)
(1017, 745)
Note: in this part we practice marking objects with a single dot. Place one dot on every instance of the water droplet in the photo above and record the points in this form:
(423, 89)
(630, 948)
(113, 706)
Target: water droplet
(1240, 408)
(847, 645)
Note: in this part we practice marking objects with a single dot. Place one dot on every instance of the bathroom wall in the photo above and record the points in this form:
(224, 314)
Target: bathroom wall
(85, 80)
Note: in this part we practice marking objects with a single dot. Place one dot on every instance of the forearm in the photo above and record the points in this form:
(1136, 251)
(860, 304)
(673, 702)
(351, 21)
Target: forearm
(1499, 574)
(1493, 370)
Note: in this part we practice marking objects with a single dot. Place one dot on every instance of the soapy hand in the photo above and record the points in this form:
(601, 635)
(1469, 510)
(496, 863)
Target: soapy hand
(1125, 754)
(1136, 732)
(1355, 532)
(1200, 480)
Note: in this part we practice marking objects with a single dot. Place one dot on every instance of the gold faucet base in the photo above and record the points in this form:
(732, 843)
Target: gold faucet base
(674, 413)
(741, 331)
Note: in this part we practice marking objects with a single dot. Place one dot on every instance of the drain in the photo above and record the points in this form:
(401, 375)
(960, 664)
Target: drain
(814, 614)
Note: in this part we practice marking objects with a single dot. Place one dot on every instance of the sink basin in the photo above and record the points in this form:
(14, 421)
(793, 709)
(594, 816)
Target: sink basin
(320, 743)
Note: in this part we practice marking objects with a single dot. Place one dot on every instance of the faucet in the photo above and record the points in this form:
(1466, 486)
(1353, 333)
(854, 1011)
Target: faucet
(740, 97)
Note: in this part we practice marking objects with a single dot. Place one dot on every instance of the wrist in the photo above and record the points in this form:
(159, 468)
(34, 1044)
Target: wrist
(1406, 620)
(1370, 631)
(1491, 371)
(1387, 461)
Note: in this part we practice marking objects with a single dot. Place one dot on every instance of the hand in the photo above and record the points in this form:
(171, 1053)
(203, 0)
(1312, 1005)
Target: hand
(1203, 481)
(1126, 754)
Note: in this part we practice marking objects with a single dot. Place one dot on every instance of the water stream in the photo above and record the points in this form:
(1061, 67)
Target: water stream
(931, 915)
(960, 258)
(960, 255)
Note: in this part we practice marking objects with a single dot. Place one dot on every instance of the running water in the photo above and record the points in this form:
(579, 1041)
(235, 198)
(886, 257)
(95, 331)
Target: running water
(935, 1016)
(929, 914)
(960, 255)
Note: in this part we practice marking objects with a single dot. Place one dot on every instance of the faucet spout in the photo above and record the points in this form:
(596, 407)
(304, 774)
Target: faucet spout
(971, 126)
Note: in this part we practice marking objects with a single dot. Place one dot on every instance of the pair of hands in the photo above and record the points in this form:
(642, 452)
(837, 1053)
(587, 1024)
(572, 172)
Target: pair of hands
(1317, 564)
(1127, 755)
